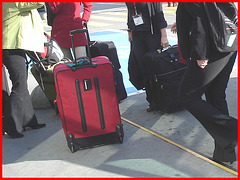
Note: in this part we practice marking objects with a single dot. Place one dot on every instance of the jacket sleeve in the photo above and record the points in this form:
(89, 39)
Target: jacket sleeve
(27, 6)
(128, 20)
(160, 16)
(199, 31)
(55, 6)
(87, 10)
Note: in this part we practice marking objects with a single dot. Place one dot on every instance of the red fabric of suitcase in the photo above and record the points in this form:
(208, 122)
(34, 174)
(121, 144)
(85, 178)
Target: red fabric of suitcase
(67, 98)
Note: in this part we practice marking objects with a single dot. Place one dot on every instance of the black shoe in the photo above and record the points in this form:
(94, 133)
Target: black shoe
(37, 126)
(151, 108)
(14, 135)
(222, 162)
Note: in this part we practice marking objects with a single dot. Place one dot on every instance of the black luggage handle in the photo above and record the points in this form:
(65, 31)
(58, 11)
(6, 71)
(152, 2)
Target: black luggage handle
(88, 49)
(78, 31)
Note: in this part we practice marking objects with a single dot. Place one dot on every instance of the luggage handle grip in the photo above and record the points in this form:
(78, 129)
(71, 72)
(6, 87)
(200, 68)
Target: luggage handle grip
(74, 68)
(78, 31)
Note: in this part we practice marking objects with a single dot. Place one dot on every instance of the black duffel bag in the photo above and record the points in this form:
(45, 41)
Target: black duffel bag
(164, 71)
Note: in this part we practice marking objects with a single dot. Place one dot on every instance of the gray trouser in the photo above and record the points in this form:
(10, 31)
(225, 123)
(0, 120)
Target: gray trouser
(18, 110)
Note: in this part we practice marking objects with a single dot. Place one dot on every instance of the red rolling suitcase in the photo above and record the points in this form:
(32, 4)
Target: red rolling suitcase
(87, 102)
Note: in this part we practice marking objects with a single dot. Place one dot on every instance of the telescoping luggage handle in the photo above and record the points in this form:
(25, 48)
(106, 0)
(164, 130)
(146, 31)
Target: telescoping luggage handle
(84, 60)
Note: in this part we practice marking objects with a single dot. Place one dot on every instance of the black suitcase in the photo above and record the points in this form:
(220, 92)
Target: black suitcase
(164, 71)
(108, 49)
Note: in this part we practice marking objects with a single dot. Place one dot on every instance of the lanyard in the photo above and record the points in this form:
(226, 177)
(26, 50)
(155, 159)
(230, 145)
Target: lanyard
(135, 8)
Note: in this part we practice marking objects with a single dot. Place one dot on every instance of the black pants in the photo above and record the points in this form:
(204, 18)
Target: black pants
(18, 110)
(212, 113)
(143, 42)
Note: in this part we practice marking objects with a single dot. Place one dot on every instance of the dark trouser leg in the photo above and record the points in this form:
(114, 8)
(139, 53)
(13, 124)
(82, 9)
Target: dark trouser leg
(213, 81)
(20, 110)
(144, 42)
(216, 93)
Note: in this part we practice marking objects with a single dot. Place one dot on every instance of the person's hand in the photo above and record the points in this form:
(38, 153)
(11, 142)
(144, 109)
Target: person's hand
(164, 41)
(129, 36)
(202, 63)
(174, 28)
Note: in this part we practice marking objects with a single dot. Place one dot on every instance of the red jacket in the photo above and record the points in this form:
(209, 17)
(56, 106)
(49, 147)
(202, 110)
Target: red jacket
(67, 18)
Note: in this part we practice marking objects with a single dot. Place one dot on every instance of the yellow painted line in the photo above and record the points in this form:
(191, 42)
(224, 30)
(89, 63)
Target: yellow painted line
(107, 18)
(98, 24)
(181, 147)
(169, 12)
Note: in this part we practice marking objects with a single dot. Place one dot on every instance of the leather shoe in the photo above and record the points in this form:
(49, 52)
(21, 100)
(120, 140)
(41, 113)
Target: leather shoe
(15, 135)
(151, 108)
(37, 126)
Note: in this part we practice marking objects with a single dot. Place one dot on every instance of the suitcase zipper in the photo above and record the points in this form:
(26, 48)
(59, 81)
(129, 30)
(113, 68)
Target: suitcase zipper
(80, 104)
(99, 102)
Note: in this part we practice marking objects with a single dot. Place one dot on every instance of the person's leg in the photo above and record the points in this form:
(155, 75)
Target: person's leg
(20, 106)
(67, 53)
(139, 48)
(153, 42)
(80, 51)
(216, 96)
(216, 93)
(195, 83)
(16, 68)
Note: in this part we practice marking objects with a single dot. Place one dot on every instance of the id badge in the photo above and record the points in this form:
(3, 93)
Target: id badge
(231, 40)
(138, 20)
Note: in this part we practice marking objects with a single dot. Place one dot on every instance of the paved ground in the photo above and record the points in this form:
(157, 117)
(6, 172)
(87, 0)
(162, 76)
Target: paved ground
(155, 145)
(44, 152)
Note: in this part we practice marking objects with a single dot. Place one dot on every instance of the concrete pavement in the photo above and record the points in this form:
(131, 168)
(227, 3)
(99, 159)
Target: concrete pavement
(44, 152)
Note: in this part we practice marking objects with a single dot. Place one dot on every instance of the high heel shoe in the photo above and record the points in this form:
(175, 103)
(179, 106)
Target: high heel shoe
(37, 126)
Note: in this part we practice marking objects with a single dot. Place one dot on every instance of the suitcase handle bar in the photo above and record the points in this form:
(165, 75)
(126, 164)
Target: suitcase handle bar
(78, 31)
(87, 46)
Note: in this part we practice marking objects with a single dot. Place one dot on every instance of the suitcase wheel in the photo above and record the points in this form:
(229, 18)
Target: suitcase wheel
(120, 133)
(56, 107)
(70, 141)
(120, 138)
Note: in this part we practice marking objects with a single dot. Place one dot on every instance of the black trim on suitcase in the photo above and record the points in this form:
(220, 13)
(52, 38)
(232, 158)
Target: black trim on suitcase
(80, 104)
(99, 102)
(75, 144)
